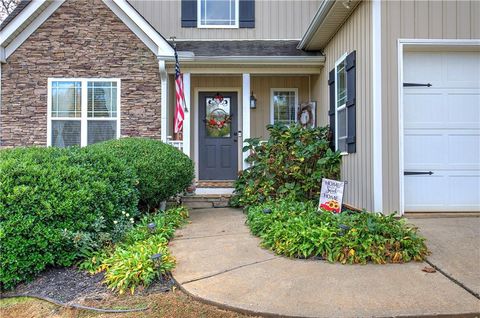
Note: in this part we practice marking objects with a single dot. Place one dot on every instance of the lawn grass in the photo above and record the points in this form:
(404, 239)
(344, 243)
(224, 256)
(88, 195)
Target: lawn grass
(171, 304)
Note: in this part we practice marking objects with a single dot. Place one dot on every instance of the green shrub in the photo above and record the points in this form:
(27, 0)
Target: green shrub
(296, 229)
(292, 162)
(129, 264)
(58, 204)
(163, 171)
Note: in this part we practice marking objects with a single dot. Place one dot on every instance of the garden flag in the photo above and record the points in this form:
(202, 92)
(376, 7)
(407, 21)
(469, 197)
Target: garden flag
(180, 106)
(331, 195)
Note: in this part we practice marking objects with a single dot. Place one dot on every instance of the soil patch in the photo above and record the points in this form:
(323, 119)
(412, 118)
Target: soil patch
(73, 285)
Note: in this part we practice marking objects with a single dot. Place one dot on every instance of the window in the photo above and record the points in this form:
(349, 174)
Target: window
(83, 111)
(218, 13)
(341, 105)
(284, 105)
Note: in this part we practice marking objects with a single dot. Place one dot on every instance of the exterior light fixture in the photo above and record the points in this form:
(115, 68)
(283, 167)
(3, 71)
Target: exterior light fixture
(267, 211)
(151, 227)
(157, 259)
(346, 4)
(253, 101)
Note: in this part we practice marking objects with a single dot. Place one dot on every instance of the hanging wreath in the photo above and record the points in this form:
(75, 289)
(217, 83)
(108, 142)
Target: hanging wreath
(218, 118)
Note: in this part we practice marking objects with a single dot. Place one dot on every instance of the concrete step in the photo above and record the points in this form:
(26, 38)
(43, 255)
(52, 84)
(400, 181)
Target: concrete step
(205, 201)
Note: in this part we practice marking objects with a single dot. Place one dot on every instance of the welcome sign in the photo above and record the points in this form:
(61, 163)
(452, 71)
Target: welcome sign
(331, 195)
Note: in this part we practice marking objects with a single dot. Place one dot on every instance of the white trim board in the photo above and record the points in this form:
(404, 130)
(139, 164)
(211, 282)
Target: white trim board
(402, 45)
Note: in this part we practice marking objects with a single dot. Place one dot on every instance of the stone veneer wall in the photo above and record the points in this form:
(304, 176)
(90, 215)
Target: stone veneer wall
(81, 39)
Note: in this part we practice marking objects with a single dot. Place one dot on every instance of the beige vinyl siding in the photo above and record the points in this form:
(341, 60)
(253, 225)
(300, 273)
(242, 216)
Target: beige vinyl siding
(261, 87)
(274, 19)
(413, 20)
(355, 34)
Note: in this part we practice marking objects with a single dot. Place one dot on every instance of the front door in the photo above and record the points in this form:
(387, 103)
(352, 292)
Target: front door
(218, 136)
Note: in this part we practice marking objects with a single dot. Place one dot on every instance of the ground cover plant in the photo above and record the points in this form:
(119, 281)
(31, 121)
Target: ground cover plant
(291, 163)
(142, 256)
(296, 229)
(162, 170)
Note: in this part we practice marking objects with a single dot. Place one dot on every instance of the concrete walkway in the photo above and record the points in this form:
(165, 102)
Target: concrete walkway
(219, 262)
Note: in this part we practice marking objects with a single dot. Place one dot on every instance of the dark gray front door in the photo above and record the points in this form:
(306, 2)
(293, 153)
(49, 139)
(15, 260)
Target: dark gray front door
(218, 140)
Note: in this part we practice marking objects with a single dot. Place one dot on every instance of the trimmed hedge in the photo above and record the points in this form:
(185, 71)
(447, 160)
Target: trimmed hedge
(57, 203)
(162, 170)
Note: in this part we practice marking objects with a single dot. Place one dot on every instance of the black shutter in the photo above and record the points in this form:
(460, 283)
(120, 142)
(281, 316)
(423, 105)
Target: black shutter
(331, 112)
(351, 102)
(247, 13)
(189, 13)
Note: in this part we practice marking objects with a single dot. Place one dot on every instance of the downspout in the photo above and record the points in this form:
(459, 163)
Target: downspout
(163, 98)
(2, 61)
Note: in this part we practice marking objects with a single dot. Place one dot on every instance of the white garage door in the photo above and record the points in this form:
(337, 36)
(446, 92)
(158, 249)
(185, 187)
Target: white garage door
(442, 131)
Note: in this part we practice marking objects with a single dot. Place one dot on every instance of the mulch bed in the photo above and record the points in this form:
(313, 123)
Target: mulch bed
(73, 285)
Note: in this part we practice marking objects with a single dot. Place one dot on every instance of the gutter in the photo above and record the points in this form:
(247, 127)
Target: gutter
(260, 60)
(320, 16)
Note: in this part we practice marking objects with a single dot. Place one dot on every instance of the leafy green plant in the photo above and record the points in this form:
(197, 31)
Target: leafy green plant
(297, 229)
(162, 170)
(131, 263)
(292, 162)
(57, 205)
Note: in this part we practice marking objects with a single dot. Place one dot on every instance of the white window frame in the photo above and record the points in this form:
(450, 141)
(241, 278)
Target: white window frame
(272, 110)
(84, 100)
(343, 106)
(201, 26)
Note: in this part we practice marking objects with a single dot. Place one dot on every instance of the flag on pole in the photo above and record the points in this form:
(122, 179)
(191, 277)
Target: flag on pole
(180, 106)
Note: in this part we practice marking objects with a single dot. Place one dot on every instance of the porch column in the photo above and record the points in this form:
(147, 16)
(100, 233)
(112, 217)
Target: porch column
(186, 121)
(245, 115)
(163, 100)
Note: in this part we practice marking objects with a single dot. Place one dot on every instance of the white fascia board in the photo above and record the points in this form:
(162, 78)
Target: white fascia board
(35, 24)
(316, 22)
(163, 47)
(20, 19)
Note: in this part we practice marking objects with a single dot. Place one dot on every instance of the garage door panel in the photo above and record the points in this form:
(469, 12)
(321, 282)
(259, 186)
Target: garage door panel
(424, 68)
(463, 191)
(442, 131)
(425, 191)
(462, 72)
(464, 110)
(464, 150)
(430, 146)
(423, 108)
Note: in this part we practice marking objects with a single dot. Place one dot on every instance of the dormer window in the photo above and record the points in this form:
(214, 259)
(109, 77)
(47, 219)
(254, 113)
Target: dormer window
(218, 13)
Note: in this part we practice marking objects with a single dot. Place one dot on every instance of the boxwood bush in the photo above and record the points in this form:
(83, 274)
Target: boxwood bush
(56, 204)
(162, 170)
(297, 229)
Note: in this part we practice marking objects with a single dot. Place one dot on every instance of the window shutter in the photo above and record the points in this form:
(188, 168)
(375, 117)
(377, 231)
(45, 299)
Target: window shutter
(351, 102)
(247, 13)
(331, 112)
(189, 13)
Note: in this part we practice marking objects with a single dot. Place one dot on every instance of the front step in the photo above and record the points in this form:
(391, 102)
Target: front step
(206, 201)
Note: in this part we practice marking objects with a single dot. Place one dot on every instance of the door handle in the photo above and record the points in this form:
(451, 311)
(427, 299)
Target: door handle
(416, 173)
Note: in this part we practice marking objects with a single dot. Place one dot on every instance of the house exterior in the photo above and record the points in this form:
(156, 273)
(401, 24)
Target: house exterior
(78, 72)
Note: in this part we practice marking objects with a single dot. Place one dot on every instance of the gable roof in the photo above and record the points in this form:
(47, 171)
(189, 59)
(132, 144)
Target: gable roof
(30, 14)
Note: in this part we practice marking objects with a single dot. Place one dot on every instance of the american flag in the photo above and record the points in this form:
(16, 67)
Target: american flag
(180, 106)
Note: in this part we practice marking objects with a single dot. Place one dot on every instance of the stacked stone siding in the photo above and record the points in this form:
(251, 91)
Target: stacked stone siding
(83, 38)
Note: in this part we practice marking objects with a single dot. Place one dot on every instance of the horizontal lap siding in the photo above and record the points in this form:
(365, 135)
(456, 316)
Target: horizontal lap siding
(355, 34)
(261, 87)
(274, 20)
(413, 20)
